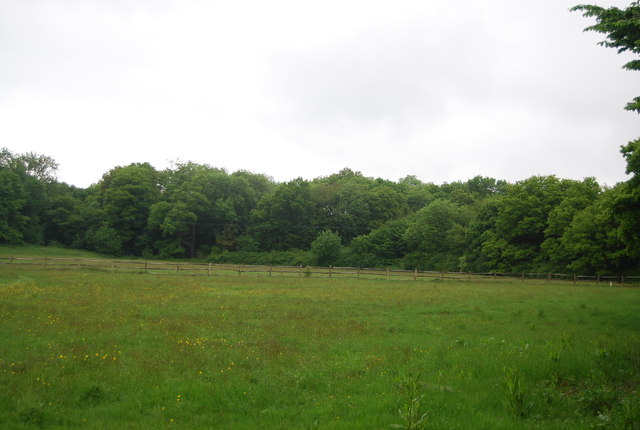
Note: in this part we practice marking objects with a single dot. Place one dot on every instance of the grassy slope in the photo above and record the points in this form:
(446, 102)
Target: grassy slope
(101, 350)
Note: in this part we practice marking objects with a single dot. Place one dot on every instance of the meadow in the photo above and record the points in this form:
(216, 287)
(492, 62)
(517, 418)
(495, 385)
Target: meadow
(100, 350)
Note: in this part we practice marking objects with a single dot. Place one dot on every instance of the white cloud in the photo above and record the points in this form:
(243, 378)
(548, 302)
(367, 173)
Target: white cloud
(441, 90)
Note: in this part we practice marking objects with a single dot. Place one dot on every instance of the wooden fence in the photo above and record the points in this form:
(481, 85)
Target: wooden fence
(209, 269)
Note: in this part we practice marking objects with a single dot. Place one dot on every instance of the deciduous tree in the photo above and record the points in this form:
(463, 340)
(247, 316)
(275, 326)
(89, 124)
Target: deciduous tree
(622, 30)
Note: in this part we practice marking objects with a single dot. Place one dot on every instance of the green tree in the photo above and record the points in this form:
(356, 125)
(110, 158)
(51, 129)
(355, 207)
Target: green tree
(104, 239)
(63, 218)
(622, 30)
(326, 248)
(576, 196)
(436, 236)
(13, 199)
(24, 179)
(385, 204)
(513, 243)
(202, 207)
(384, 246)
(418, 194)
(126, 195)
(481, 230)
(199, 209)
(341, 203)
(591, 243)
(171, 226)
(284, 219)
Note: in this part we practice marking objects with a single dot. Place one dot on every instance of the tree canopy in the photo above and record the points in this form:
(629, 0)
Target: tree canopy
(622, 30)
(188, 210)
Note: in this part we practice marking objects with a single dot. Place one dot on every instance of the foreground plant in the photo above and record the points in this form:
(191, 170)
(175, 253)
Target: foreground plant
(516, 396)
(410, 410)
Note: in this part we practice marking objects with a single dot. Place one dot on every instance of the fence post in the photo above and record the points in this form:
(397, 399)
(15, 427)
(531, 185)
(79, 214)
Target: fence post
(574, 279)
(240, 270)
(209, 270)
(622, 279)
(387, 273)
(145, 266)
(11, 260)
(330, 271)
(300, 271)
(269, 270)
(415, 274)
(358, 273)
(522, 276)
(549, 277)
(495, 276)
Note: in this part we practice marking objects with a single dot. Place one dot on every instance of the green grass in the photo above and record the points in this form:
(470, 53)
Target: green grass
(92, 349)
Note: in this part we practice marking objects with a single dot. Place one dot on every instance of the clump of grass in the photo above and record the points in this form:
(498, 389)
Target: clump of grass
(597, 400)
(32, 417)
(516, 397)
(92, 395)
(411, 408)
(630, 414)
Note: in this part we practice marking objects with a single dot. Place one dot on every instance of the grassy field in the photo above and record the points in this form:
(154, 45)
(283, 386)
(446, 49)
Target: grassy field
(99, 350)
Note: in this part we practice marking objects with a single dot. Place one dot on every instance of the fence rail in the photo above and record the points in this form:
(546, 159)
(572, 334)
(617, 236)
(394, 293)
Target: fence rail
(209, 269)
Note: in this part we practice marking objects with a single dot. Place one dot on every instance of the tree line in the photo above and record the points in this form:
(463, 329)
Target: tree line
(190, 210)
(540, 224)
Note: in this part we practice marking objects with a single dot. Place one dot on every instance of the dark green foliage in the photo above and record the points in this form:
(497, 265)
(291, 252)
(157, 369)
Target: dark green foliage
(383, 247)
(193, 210)
(342, 205)
(292, 257)
(622, 27)
(523, 229)
(622, 30)
(126, 195)
(480, 230)
(13, 197)
(436, 236)
(626, 203)
(326, 248)
(105, 240)
(576, 196)
(385, 204)
(64, 215)
(590, 244)
(631, 153)
(284, 219)
(24, 179)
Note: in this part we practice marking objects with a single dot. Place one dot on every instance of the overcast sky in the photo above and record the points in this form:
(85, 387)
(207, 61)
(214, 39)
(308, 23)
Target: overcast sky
(441, 90)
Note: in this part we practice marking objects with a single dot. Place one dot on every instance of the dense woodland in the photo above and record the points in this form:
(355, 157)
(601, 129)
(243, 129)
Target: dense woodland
(190, 210)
